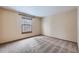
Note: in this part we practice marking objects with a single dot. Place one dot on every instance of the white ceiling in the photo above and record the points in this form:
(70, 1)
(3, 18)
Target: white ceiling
(40, 11)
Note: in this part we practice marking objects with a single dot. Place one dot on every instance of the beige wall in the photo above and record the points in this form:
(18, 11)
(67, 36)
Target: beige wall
(78, 27)
(0, 24)
(63, 26)
(11, 28)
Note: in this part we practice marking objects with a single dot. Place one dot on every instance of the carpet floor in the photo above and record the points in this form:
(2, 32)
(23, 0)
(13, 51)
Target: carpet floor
(39, 44)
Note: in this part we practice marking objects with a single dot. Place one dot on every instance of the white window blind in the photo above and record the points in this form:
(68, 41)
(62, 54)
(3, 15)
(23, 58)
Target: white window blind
(26, 24)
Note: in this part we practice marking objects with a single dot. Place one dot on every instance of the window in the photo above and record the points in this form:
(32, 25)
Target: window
(26, 24)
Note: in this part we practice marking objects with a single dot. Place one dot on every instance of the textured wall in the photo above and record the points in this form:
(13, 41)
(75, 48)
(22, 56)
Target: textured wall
(11, 28)
(63, 26)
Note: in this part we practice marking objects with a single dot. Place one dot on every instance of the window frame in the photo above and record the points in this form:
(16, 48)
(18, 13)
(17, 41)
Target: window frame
(22, 25)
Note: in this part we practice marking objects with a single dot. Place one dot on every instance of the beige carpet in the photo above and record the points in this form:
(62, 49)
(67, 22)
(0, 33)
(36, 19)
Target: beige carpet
(39, 44)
